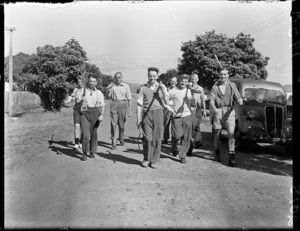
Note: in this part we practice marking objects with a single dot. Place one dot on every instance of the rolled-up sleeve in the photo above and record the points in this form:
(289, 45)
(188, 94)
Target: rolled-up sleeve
(100, 100)
(213, 93)
(128, 93)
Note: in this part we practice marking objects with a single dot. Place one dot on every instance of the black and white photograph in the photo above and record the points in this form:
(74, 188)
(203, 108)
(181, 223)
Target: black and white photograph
(148, 115)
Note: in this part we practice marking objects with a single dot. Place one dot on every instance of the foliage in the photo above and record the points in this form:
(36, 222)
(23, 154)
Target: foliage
(169, 73)
(50, 72)
(238, 55)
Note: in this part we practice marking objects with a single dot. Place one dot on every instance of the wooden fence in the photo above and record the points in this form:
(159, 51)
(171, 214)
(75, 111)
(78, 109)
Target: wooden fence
(22, 101)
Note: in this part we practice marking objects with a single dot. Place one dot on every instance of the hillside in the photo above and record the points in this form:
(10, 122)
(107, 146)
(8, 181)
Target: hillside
(18, 63)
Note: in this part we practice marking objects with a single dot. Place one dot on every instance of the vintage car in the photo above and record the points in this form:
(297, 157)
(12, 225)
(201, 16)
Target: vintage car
(262, 118)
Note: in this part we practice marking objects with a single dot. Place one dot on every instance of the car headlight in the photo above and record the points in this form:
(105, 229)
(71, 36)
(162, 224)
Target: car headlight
(251, 114)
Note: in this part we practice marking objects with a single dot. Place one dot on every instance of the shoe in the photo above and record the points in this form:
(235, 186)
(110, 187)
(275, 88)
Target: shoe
(183, 160)
(145, 163)
(76, 146)
(231, 160)
(83, 157)
(217, 156)
(175, 153)
(80, 145)
(153, 165)
(122, 143)
(92, 155)
(189, 154)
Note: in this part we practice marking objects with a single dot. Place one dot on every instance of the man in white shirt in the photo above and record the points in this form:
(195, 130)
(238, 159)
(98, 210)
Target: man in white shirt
(92, 110)
(120, 94)
(182, 123)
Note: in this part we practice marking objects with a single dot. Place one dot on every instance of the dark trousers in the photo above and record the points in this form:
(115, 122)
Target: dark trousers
(118, 111)
(89, 126)
(181, 131)
(167, 122)
(196, 133)
(152, 128)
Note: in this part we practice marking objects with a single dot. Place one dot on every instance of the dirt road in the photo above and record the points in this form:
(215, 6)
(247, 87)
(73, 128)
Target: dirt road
(47, 185)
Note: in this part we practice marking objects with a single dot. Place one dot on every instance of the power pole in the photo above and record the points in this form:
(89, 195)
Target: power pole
(10, 99)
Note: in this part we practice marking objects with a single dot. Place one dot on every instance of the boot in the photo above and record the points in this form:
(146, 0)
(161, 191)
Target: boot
(83, 157)
(217, 156)
(231, 160)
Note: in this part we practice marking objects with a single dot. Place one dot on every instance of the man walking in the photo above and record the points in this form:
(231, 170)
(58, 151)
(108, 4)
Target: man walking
(92, 110)
(151, 97)
(198, 100)
(182, 123)
(76, 96)
(167, 114)
(221, 101)
(121, 97)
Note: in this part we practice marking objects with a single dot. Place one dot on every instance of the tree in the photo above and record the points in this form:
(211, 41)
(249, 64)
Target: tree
(51, 72)
(238, 55)
(169, 73)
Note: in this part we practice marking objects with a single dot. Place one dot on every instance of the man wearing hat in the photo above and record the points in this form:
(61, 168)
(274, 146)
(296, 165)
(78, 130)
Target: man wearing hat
(150, 117)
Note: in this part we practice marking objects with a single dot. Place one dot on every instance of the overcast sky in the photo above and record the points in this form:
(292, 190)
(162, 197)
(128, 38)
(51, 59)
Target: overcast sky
(130, 37)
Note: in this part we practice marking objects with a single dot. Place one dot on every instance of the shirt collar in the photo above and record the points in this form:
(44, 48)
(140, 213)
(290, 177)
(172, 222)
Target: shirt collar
(155, 84)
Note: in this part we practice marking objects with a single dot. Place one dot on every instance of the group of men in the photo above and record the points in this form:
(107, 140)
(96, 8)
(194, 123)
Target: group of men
(178, 105)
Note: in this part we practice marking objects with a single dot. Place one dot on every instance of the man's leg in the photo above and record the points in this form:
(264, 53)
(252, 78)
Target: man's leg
(158, 123)
(147, 129)
(177, 133)
(113, 122)
(187, 134)
(230, 126)
(167, 120)
(193, 124)
(122, 111)
(77, 133)
(217, 128)
(94, 130)
(85, 126)
(198, 136)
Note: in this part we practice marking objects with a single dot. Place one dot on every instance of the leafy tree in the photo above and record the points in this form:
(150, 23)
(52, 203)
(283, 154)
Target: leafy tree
(237, 54)
(169, 73)
(52, 70)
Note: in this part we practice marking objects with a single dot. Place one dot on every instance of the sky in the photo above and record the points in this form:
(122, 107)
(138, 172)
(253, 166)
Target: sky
(130, 37)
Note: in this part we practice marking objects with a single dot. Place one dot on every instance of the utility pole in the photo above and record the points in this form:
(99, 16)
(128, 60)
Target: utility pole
(10, 99)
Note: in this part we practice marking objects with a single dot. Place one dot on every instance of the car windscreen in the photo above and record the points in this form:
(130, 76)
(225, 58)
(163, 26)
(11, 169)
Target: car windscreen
(264, 95)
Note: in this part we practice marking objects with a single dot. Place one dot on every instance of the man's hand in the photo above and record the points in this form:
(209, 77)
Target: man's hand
(204, 113)
(100, 118)
(214, 112)
(240, 101)
(129, 114)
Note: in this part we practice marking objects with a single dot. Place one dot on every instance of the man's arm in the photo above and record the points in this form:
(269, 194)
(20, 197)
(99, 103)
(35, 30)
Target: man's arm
(140, 101)
(212, 98)
(129, 98)
(165, 93)
(101, 107)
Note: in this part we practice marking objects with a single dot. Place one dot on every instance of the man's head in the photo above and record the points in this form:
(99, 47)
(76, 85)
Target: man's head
(92, 82)
(183, 81)
(152, 74)
(79, 83)
(223, 76)
(118, 78)
(194, 78)
(173, 81)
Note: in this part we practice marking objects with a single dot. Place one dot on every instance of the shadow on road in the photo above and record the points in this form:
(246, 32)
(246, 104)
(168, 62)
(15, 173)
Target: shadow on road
(254, 158)
(104, 144)
(68, 151)
(133, 140)
(119, 158)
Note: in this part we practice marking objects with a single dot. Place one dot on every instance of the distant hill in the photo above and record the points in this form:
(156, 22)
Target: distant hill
(18, 63)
